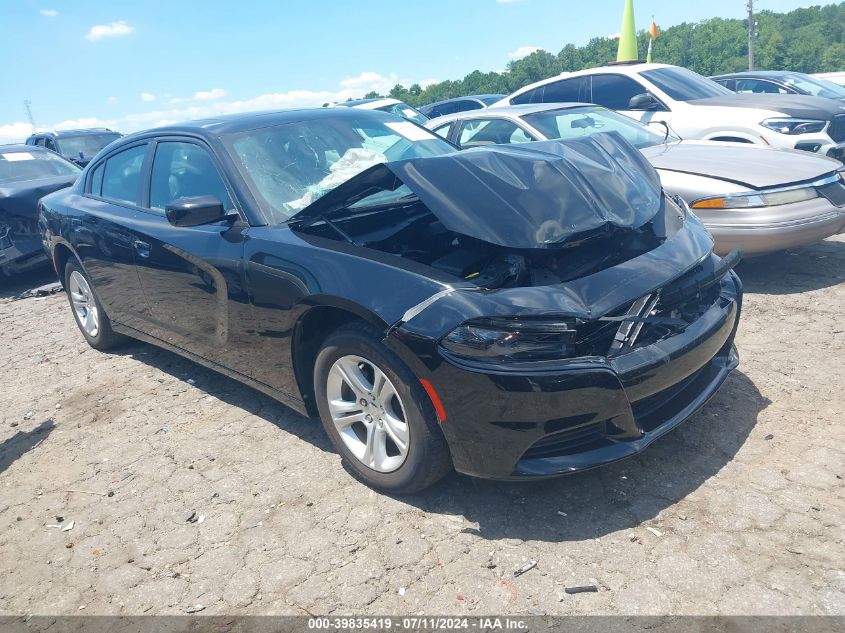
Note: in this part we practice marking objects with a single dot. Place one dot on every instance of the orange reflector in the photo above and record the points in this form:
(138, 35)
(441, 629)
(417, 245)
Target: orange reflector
(714, 203)
(435, 400)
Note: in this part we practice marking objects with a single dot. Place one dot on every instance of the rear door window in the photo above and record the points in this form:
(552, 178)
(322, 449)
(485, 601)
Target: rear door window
(563, 91)
(614, 91)
(122, 175)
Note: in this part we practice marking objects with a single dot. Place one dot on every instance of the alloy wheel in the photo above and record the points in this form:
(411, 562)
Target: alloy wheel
(368, 413)
(83, 303)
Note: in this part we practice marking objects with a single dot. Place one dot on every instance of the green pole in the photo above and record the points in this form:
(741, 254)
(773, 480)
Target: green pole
(627, 35)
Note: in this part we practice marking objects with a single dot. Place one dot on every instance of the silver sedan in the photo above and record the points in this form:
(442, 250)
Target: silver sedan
(755, 198)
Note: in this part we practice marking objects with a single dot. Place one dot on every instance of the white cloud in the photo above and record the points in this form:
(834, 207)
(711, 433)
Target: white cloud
(49, 13)
(209, 95)
(350, 87)
(425, 83)
(523, 51)
(113, 29)
(146, 96)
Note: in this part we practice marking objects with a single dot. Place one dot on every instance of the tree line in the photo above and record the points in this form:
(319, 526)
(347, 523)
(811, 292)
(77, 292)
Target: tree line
(807, 40)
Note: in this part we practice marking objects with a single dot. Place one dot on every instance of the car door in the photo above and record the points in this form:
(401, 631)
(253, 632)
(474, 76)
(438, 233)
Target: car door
(102, 233)
(615, 92)
(192, 276)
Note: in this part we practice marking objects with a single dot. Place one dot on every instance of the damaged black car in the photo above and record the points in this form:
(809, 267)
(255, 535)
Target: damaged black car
(510, 312)
(27, 174)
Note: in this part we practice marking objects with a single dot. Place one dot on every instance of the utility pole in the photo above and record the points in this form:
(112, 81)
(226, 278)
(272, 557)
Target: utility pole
(751, 28)
(27, 104)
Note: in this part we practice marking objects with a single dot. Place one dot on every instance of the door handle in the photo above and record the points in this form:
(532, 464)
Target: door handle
(142, 248)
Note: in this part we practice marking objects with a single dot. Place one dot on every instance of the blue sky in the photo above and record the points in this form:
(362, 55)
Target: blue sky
(133, 65)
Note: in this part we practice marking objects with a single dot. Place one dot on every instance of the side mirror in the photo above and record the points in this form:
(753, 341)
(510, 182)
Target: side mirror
(644, 101)
(195, 211)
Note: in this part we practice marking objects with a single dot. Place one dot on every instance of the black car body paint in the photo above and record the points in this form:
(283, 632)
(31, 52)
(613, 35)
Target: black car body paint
(245, 297)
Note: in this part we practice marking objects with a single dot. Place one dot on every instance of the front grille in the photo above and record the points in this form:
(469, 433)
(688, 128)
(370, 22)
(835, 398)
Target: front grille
(568, 442)
(837, 128)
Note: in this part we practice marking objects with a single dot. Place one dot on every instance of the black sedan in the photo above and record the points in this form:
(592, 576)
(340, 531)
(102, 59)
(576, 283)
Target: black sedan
(514, 312)
(27, 174)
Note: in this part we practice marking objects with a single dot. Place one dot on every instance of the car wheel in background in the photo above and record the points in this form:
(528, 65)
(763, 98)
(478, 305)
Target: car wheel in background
(87, 310)
(377, 414)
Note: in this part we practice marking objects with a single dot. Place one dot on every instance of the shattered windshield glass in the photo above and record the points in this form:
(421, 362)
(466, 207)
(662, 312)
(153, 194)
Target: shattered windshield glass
(289, 166)
(579, 122)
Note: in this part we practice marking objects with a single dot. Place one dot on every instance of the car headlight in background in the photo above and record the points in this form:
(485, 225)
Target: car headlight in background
(794, 126)
(512, 340)
(754, 200)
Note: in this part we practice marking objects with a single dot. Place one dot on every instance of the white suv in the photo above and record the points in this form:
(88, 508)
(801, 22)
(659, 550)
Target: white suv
(697, 108)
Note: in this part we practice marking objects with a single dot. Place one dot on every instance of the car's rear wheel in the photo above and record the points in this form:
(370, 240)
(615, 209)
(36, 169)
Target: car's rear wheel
(92, 320)
(377, 414)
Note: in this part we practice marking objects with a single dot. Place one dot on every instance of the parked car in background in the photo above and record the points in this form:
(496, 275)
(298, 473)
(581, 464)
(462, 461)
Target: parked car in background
(516, 312)
(698, 108)
(26, 175)
(393, 106)
(78, 146)
(459, 104)
(750, 197)
(780, 82)
(837, 78)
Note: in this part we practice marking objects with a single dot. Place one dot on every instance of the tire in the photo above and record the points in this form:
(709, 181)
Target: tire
(88, 310)
(426, 457)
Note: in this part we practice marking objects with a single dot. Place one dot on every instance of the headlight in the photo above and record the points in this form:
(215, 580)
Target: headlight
(794, 126)
(752, 200)
(512, 340)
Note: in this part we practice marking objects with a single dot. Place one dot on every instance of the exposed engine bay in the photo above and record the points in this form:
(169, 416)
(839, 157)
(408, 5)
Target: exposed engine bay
(413, 232)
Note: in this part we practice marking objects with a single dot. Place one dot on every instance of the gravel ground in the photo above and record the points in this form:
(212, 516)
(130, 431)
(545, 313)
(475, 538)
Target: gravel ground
(738, 511)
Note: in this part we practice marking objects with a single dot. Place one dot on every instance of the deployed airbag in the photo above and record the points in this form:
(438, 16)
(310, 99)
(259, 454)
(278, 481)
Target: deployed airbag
(533, 195)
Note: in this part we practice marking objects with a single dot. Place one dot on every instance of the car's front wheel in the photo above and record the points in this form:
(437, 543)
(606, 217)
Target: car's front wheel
(377, 414)
(87, 310)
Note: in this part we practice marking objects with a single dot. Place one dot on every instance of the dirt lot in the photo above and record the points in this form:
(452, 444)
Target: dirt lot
(739, 511)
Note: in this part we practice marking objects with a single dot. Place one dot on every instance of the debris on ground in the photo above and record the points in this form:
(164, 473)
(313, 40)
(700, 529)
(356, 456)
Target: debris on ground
(191, 516)
(770, 436)
(195, 608)
(68, 527)
(41, 291)
(401, 591)
(654, 531)
(88, 492)
(581, 589)
(563, 514)
(526, 567)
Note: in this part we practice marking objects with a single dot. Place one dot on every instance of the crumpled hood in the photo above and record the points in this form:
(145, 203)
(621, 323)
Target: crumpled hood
(533, 195)
(747, 165)
(21, 198)
(799, 106)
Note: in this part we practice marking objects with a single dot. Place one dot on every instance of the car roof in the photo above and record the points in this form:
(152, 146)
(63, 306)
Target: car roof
(609, 69)
(358, 102)
(507, 111)
(241, 122)
(487, 95)
(79, 132)
(20, 147)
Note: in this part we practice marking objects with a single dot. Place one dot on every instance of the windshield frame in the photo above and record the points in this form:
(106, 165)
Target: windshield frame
(531, 117)
(663, 77)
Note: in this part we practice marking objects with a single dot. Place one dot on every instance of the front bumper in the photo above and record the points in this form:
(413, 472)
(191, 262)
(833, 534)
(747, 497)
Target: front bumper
(768, 229)
(515, 423)
(19, 252)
